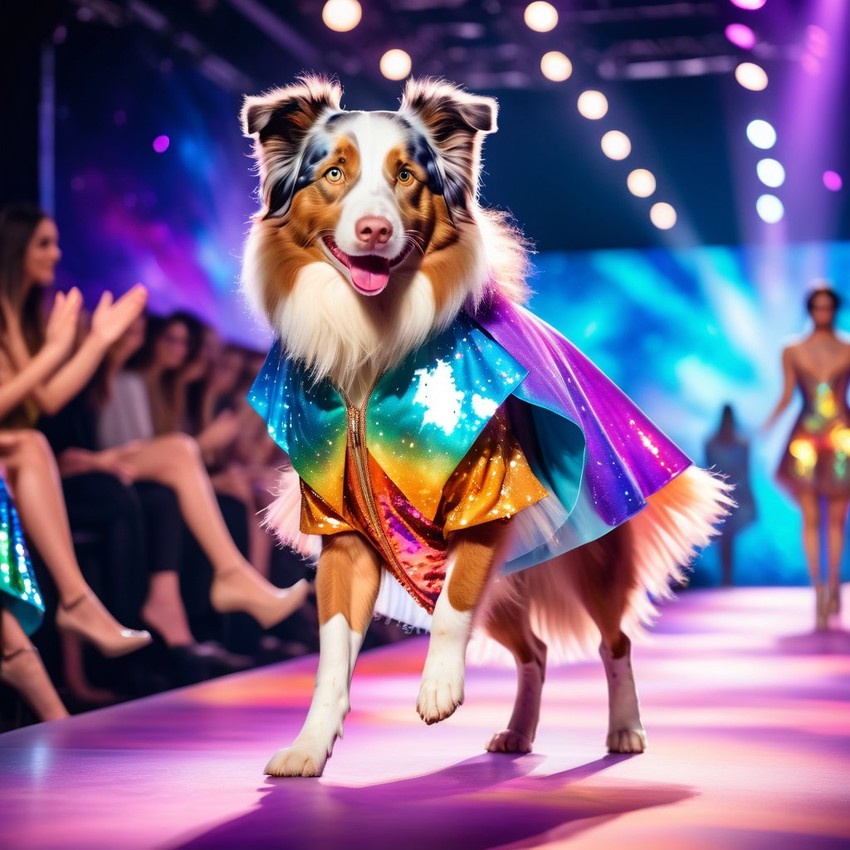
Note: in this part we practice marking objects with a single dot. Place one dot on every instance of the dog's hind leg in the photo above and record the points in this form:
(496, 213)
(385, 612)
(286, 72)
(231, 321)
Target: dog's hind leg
(346, 588)
(508, 623)
(472, 555)
(605, 579)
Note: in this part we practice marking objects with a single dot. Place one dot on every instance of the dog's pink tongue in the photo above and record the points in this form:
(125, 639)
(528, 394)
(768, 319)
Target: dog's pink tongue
(370, 274)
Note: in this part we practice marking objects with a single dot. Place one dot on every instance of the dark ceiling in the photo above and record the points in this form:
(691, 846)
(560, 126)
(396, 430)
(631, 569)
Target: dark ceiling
(666, 68)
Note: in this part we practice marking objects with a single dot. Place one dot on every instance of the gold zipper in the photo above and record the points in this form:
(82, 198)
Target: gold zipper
(357, 430)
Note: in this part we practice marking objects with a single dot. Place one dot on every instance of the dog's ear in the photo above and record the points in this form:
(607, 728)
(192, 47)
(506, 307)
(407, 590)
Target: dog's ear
(280, 122)
(454, 123)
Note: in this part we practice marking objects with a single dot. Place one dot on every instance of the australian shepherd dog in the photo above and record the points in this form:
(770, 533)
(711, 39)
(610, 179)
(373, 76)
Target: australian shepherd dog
(378, 269)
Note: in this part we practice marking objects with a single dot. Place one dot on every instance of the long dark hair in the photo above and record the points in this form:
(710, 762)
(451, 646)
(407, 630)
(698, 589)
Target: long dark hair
(18, 223)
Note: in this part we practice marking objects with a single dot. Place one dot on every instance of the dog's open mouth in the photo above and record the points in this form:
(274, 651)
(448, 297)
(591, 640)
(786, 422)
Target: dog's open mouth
(370, 273)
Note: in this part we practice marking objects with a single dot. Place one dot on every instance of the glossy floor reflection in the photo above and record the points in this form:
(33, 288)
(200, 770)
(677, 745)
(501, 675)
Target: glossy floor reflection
(748, 715)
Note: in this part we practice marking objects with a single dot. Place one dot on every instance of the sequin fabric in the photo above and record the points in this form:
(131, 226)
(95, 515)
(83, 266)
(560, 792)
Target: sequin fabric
(17, 580)
(493, 481)
(498, 414)
(817, 456)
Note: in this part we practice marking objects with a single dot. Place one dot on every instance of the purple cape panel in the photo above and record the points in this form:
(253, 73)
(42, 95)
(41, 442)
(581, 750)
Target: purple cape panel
(626, 457)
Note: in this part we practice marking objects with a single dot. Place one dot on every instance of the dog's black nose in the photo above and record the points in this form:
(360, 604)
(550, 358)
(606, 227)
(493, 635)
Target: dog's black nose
(373, 230)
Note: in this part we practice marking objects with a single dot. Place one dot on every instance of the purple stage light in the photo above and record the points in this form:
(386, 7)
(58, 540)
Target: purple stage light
(832, 180)
(161, 143)
(750, 5)
(741, 36)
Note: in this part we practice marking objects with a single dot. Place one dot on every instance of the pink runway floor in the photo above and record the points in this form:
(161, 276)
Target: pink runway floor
(748, 715)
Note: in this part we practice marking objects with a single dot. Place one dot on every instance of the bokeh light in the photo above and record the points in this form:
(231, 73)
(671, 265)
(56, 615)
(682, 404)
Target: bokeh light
(641, 182)
(396, 64)
(751, 76)
(341, 15)
(161, 143)
(592, 104)
(616, 144)
(662, 215)
(556, 66)
(540, 16)
(771, 172)
(741, 36)
(832, 180)
(817, 40)
(749, 5)
(770, 208)
(761, 134)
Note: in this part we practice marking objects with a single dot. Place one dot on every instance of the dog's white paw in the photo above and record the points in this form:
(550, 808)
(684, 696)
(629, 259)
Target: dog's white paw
(439, 695)
(626, 741)
(509, 742)
(296, 761)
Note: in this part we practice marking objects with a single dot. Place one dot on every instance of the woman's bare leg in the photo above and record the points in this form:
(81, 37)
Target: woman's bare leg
(37, 490)
(22, 669)
(836, 525)
(175, 461)
(810, 507)
(164, 611)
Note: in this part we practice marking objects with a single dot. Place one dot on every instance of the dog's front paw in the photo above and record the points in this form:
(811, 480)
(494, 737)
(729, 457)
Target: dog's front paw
(439, 696)
(626, 741)
(296, 761)
(509, 741)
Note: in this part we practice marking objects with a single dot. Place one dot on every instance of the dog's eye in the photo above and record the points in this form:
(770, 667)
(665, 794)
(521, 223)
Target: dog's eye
(405, 176)
(334, 175)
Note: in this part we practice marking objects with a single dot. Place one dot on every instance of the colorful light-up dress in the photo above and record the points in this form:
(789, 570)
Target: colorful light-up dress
(817, 457)
(497, 415)
(19, 591)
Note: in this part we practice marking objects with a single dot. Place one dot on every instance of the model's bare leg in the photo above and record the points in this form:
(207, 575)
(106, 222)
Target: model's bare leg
(175, 461)
(606, 576)
(38, 496)
(811, 510)
(836, 533)
(472, 556)
(164, 611)
(347, 584)
(21, 668)
(508, 623)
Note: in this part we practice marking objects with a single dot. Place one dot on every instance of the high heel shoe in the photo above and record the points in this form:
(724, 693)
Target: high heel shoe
(834, 600)
(243, 589)
(821, 608)
(23, 670)
(111, 639)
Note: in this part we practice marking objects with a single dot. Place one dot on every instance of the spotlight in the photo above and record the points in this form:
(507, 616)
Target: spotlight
(770, 172)
(641, 182)
(555, 66)
(761, 134)
(750, 5)
(161, 143)
(751, 76)
(769, 208)
(395, 64)
(541, 17)
(741, 36)
(832, 180)
(662, 215)
(592, 104)
(616, 145)
(341, 15)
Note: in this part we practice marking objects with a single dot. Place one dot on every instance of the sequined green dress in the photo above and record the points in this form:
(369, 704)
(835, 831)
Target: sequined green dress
(817, 457)
(19, 591)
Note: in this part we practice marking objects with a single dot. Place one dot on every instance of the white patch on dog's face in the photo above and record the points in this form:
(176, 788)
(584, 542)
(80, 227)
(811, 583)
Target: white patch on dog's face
(369, 238)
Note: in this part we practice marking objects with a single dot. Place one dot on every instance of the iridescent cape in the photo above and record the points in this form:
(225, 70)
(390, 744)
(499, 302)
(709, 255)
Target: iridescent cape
(18, 588)
(598, 456)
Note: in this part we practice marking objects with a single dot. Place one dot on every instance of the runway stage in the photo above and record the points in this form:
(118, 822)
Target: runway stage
(747, 711)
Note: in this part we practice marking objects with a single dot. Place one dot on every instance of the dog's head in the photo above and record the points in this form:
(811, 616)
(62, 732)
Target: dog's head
(370, 236)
